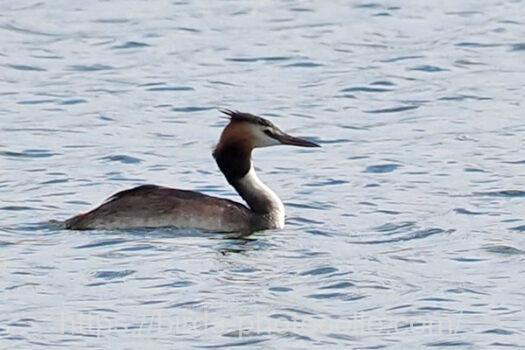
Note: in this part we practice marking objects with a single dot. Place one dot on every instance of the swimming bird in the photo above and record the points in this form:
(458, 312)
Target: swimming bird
(150, 206)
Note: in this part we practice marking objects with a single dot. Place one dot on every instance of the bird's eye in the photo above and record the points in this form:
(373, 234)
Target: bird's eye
(269, 132)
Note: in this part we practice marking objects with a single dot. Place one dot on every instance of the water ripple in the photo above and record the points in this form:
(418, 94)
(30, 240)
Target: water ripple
(110, 275)
(16, 28)
(102, 242)
(468, 212)
(364, 89)
(319, 271)
(382, 168)
(409, 236)
(25, 67)
(90, 68)
(504, 250)
(29, 153)
(130, 45)
(405, 215)
(519, 228)
(518, 47)
(392, 109)
(305, 64)
(171, 88)
(191, 109)
(503, 193)
(122, 158)
(259, 59)
(428, 69)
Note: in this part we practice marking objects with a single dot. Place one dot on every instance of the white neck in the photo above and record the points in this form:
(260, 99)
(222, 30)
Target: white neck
(261, 199)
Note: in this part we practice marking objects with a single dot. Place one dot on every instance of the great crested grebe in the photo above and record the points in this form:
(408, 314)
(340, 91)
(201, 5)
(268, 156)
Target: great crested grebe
(150, 206)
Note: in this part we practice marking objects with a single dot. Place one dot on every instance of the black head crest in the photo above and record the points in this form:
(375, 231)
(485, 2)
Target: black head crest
(237, 116)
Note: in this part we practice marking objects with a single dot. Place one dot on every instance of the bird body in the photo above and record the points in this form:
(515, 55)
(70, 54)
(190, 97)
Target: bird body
(150, 206)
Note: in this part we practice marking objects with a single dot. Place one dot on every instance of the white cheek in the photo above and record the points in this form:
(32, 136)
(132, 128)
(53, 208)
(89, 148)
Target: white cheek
(263, 140)
(269, 141)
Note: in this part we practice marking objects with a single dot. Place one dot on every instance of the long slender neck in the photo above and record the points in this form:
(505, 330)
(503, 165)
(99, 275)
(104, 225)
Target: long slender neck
(260, 198)
(236, 165)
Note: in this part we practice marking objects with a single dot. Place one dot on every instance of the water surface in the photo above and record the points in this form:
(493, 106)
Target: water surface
(405, 230)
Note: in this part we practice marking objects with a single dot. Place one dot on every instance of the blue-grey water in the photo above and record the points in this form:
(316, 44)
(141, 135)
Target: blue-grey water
(406, 230)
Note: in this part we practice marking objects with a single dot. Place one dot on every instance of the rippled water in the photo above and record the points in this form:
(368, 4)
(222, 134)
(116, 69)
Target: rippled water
(406, 230)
